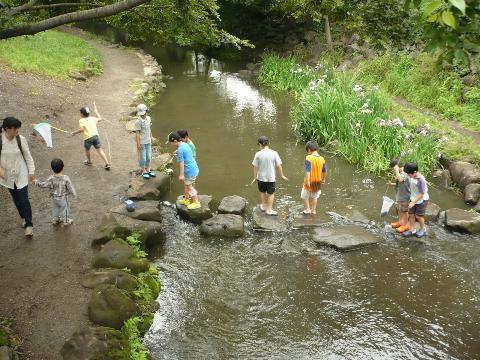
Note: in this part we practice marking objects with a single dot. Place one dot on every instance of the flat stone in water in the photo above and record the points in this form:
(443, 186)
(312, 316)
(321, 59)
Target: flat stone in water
(264, 222)
(353, 214)
(301, 221)
(345, 237)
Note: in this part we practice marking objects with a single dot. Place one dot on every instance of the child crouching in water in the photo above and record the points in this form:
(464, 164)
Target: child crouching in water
(60, 188)
(402, 195)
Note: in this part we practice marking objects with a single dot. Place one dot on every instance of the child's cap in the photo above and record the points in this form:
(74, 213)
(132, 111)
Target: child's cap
(173, 136)
(142, 109)
(263, 140)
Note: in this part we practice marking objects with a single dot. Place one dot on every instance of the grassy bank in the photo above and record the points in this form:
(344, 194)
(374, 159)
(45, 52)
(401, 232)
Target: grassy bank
(334, 109)
(421, 82)
(51, 53)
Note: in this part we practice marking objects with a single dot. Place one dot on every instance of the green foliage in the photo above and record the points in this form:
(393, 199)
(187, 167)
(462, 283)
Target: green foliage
(421, 82)
(7, 337)
(137, 350)
(133, 240)
(50, 53)
(333, 108)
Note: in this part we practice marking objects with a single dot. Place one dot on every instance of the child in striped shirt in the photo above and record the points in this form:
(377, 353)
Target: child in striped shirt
(61, 189)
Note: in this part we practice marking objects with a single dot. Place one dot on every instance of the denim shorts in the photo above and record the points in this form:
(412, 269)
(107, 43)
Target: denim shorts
(93, 141)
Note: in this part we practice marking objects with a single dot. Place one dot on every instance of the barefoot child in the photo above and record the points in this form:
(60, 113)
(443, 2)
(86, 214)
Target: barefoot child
(188, 171)
(402, 195)
(418, 201)
(315, 176)
(264, 164)
(61, 189)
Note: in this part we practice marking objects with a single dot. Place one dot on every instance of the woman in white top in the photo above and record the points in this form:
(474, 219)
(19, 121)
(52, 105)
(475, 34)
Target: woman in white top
(17, 169)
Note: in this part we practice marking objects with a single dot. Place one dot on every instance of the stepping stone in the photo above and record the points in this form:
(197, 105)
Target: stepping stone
(223, 225)
(345, 237)
(352, 214)
(232, 205)
(301, 221)
(264, 222)
(196, 215)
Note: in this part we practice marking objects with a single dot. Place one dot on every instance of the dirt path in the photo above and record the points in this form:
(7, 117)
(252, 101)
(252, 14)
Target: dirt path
(40, 278)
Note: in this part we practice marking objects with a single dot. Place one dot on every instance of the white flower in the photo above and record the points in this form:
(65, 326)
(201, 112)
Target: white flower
(357, 125)
(357, 88)
(408, 136)
(375, 87)
(397, 122)
(382, 123)
(403, 153)
(444, 139)
(423, 133)
(366, 111)
(426, 127)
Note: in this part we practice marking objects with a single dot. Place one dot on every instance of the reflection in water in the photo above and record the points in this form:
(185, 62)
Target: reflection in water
(245, 98)
(279, 296)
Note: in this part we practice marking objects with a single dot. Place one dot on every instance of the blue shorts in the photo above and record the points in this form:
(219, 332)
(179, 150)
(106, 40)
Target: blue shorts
(93, 141)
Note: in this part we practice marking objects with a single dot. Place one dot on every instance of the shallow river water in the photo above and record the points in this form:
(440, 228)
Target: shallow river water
(280, 296)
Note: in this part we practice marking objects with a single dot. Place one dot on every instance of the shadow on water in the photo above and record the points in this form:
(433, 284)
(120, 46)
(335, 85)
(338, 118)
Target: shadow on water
(279, 295)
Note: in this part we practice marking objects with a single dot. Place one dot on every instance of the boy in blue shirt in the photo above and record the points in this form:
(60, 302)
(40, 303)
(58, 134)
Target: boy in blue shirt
(188, 170)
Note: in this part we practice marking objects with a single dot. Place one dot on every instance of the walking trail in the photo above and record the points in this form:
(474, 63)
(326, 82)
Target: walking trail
(40, 278)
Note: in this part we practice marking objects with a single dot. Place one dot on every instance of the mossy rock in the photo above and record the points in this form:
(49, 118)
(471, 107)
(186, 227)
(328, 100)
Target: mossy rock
(110, 306)
(99, 343)
(119, 278)
(117, 254)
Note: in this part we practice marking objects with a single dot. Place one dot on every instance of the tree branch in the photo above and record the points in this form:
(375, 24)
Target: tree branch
(21, 8)
(77, 16)
(50, 6)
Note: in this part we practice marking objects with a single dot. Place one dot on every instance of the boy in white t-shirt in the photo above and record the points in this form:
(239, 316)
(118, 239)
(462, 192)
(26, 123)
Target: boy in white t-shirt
(265, 162)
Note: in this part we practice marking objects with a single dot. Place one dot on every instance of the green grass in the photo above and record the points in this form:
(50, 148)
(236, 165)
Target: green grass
(422, 83)
(50, 53)
(333, 107)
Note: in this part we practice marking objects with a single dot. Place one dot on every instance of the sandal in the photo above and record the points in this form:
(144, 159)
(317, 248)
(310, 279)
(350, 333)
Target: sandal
(152, 174)
(304, 212)
(146, 176)
(88, 163)
(107, 167)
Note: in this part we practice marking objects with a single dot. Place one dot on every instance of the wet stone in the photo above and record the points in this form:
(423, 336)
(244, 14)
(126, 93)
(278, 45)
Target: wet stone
(462, 220)
(144, 210)
(264, 222)
(301, 221)
(345, 237)
(196, 215)
(232, 205)
(432, 212)
(353, 214)
(223, 225)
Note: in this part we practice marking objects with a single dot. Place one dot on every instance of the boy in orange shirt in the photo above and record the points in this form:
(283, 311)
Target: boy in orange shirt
(315, 176)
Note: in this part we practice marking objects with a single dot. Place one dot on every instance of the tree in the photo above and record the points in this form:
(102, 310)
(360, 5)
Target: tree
(188, 22)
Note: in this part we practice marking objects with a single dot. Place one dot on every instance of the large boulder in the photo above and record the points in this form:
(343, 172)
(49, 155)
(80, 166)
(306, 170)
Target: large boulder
(472, 193)
(345, 237)
(109, 306)
(151, 189)
(441, 178)
(161, 161)
(151, 233)
(432, 212)
(464, 173)
(196, 215)
(118, 255)
(223, 225)
(144, 210)
(93, 343)
(232, 205)
(119, 278)
(263, 222)
(462, 220)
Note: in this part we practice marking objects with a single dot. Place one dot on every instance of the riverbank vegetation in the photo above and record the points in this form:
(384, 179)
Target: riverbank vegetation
(51, 53)
(353, 120)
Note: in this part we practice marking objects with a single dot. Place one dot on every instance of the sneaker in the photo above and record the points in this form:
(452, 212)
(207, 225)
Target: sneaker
(67, 222)
(107, 167)
(184, 202)
(146, 176)
(420, 233)
(195, 205)
(262, 208)
(88, 163)
(396, 224)
(29, 231)
(152, 174)
(56, 222)
(408, 233)
(402, 228)
(271, 213)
